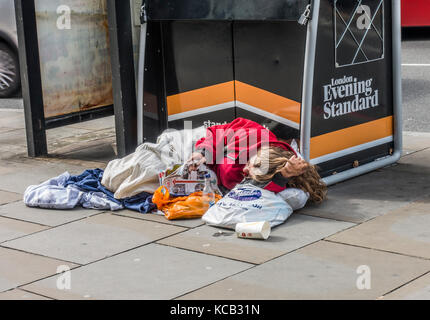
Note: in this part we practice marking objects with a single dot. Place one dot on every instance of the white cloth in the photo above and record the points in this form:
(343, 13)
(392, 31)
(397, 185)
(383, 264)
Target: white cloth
(53, 194)
(139, 171)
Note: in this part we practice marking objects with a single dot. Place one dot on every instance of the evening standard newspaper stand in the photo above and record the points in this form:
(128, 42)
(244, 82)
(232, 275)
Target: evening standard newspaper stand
(325, 72)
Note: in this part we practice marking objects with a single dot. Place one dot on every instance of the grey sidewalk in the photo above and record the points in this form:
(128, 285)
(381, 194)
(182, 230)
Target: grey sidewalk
(380, 220)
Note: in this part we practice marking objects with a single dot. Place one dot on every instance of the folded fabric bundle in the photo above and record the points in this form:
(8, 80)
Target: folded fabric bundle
(139, 171)
(86, 190)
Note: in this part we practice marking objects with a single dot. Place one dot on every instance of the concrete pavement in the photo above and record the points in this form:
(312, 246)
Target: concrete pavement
(373, 231)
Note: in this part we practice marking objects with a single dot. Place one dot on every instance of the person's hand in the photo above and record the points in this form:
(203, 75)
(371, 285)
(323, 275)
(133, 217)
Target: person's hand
(195, 161)
(295, 167)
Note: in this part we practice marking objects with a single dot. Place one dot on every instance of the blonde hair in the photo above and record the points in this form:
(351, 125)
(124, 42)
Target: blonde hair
(271, 160)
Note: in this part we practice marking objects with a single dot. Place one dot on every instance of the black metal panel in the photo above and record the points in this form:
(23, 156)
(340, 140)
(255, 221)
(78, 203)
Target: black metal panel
(30, 77)
(154, 100)
(270, 56)
(352, 64)
(208, 120)
(378, 73)
(197, 55)
(347, 42)
(123, 76)
(347, 162)
(225, 9)
(281, 131)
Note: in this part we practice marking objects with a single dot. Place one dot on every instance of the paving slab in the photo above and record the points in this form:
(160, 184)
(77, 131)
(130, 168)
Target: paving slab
(23, 172)
(81, 164)
(12, 104)
(9, 151)
(297, 232)
(20, 295)
(84, 140)
(8, 197)
(93, 238)
(418, 289)
(100, 150)
(415, 141)
(15, 137)
(405, 231)
(2, 130)
(187, 223)
(8, 112)
(12, 119)
(98, 124)
(5, 168)
(372, 195)
(12, 229)
(20, 268)
(64, 132)
(320, 271)
(153, 272)
(418, 162)
(46, 217)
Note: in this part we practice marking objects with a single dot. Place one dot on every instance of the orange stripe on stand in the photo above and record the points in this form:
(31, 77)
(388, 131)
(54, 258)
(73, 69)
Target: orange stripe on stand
(269, 102)
(200, 98)
(351, 137)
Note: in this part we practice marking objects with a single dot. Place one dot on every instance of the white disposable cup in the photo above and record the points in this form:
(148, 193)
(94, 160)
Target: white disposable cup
(254, 230)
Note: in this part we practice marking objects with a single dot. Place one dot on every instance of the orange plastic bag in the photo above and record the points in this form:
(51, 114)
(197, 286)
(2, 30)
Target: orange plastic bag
(191, 207)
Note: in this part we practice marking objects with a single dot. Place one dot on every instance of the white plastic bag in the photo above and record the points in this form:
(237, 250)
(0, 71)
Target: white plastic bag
(248, 203)
(296, 198)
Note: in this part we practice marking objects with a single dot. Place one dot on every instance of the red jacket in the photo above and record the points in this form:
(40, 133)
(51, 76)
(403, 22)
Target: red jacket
(233, 144)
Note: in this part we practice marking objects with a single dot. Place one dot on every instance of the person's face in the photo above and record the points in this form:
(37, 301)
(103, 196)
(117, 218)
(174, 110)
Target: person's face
(249, 166)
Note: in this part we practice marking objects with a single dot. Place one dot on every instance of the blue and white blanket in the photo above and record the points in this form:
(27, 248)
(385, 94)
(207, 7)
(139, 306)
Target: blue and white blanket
(67, 192)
